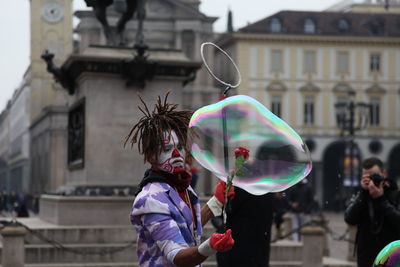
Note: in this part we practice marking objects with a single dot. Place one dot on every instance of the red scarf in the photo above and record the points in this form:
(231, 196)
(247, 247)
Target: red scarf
(179, 181)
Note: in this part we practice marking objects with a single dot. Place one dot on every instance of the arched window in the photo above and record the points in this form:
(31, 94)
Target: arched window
(309, 26)
(343, 25)
(275, 25)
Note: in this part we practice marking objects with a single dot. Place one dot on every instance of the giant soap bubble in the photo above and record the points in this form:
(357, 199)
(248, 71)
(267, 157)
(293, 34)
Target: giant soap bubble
(278, 157)
(389, 256)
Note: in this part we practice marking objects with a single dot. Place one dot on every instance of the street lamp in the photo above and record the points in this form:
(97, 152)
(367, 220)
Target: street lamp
(351, 117)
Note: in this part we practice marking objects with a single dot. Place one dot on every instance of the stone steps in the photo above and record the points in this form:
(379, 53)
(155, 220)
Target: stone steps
(77, 235)
(327, 262)
(97, 238)
(38, 253)
(332, 262)
(285, 264)
(283, 254)
(117, 264)
(282, 251)
(46, 253)
(113, 264)
(205, 264)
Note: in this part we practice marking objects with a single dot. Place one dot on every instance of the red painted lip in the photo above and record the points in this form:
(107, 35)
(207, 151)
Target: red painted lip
(177, 161)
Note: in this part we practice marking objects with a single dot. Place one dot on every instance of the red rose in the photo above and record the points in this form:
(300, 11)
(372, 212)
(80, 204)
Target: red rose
(241, 151)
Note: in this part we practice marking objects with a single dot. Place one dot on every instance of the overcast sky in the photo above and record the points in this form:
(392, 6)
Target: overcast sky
(15, 35)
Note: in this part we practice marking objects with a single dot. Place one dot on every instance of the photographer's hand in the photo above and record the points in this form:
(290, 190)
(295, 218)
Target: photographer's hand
(375, 191)
(365, 181)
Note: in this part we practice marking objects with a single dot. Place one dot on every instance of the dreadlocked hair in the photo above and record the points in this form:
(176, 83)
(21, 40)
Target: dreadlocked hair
(152, 125)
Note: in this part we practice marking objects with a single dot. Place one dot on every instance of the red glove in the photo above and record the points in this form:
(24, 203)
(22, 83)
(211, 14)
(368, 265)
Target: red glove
(220, 189)
(222, 242)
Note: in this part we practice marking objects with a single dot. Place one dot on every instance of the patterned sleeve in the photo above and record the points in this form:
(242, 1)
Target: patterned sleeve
(165, 231)
(154, 213)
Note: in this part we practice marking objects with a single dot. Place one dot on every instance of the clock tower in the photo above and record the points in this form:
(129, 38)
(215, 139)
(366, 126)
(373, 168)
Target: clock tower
(51, 29)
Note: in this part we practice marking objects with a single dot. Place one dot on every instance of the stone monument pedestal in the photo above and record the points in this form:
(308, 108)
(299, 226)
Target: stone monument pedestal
(101, 173)
(86, 210)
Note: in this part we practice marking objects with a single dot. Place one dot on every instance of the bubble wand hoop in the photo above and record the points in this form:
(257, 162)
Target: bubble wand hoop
(240, 158)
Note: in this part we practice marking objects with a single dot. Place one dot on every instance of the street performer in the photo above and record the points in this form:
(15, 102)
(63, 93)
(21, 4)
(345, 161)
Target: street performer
(166, 212)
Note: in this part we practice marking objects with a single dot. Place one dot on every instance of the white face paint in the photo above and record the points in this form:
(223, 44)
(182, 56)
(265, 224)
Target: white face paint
(172, 157)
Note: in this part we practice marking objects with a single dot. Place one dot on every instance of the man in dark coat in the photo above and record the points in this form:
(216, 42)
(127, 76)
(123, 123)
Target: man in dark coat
(250, 218)
(281, 205)
(301, 199)
(375, 211)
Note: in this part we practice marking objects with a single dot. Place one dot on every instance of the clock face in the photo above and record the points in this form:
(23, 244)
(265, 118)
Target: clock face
(52, 12)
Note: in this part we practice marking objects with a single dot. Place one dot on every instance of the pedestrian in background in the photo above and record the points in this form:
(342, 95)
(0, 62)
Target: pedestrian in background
(35, 203)
(5, 201)
(12, 202)
(375, 210)
(281, 206)
(2, 204)
(20, 206)
(301, 199)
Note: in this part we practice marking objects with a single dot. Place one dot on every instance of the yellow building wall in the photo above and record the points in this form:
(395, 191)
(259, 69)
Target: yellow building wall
(326, 78)
(375, 8)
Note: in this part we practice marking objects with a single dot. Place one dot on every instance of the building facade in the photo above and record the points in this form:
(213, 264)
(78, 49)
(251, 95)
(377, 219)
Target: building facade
(14, 141)
(4, 147)
(19, 122)
(299, 64)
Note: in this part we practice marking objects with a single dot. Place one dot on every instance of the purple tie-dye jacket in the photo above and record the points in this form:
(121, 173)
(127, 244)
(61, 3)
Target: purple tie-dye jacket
(163, 222)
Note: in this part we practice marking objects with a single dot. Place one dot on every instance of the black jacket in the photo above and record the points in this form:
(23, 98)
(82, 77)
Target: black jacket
(377, 220)
(303, 195)
(150, 177)
(250, 218)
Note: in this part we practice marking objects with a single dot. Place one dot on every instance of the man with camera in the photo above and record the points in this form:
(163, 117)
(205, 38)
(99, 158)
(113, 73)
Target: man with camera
(375, 209)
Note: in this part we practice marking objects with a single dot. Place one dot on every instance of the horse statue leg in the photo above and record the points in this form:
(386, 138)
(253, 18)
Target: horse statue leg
(99, 9)
(131, 6)
(141, 15)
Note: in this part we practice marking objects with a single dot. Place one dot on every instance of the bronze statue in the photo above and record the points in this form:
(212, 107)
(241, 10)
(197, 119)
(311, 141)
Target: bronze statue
(59, 74)
(132, 7)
